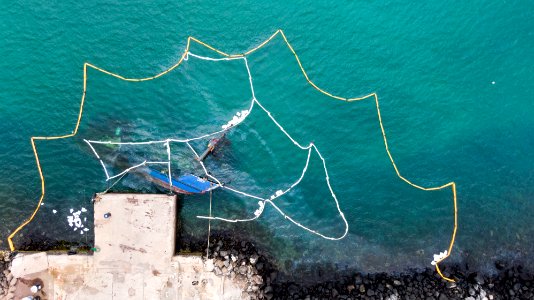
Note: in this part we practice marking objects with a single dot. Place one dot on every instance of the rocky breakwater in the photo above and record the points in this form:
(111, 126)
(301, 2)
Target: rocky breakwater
(244, 264)
(508, 283)
(7, 280)
(259, 279)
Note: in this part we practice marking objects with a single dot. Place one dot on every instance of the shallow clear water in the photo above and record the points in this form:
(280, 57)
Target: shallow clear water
(433, 66)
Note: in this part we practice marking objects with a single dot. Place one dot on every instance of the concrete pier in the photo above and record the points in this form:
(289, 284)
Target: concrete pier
(134, 259)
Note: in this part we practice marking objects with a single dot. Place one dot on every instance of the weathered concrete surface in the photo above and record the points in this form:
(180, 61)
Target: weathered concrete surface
(139, 235)
(135, 259)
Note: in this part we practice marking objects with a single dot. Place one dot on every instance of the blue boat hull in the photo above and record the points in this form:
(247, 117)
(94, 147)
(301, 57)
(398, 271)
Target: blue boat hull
(186, 184)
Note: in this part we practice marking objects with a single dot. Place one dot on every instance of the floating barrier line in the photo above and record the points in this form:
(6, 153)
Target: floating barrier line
(184, 57)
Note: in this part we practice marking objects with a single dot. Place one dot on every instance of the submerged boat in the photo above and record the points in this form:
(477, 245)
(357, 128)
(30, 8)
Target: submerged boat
(186, 184)
(211, 147)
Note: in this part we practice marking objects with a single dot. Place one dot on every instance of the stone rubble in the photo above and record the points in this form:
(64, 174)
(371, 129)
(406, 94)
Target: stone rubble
(7, 281)
(242, 262)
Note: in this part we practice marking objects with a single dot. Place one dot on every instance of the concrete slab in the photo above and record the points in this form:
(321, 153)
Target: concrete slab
(135, 258)
(28, 263)
(139, 233)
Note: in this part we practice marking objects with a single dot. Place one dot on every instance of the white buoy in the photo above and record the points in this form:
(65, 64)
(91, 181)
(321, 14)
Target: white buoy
(493, 82)
(54, 211)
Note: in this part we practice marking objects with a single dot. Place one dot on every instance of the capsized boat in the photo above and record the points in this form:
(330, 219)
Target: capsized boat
(186, 184)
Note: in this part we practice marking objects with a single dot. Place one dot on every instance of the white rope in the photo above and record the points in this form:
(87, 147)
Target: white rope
(238, 119)
(209, 230)
(127, 170)
(98, 157)
(167, 145)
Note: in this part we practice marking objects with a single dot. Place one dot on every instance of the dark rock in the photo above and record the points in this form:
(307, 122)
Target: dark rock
(273, 276)
(335, 293)
(292, 289)
(500, 265)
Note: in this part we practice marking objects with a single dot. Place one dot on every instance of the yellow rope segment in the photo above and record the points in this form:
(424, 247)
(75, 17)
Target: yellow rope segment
(189, 40)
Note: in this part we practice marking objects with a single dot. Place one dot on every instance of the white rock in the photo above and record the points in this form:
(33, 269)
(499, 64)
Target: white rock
(70, 219)
(208, 265)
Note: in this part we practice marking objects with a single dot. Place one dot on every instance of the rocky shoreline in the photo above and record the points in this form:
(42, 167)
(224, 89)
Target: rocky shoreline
(238, 259)
(7, 281)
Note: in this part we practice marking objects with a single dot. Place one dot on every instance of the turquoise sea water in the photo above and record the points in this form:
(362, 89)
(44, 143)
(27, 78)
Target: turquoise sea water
(455, 88)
